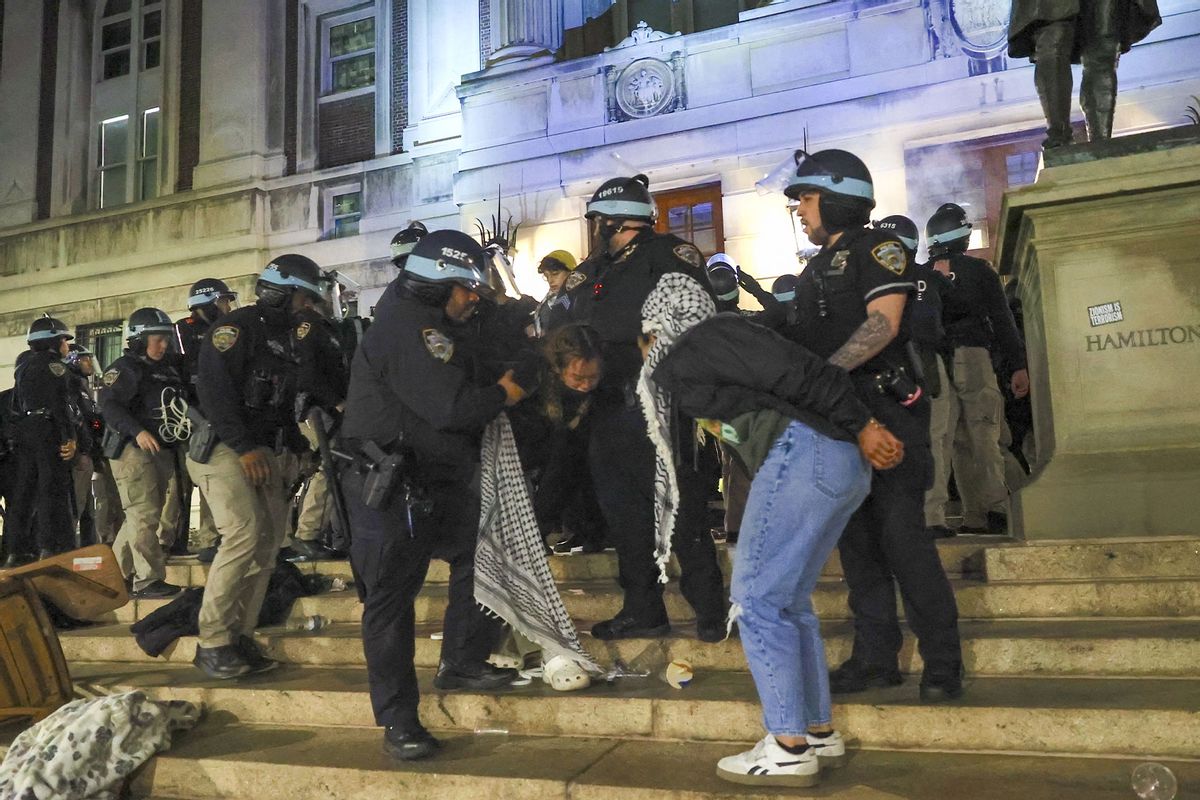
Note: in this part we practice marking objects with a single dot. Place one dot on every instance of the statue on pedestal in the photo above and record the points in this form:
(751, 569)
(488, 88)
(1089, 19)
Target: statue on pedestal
(1055, 34)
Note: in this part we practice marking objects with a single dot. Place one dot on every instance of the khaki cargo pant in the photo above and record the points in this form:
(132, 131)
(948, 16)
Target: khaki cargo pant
(317, 506)
(252, 523)
(142, 480)
(972, 406)
(206, 536)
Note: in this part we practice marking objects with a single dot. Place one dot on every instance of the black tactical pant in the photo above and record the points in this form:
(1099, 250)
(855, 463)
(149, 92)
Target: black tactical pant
(885, 544)
(42, 486)
(389, 565)
(622, 462)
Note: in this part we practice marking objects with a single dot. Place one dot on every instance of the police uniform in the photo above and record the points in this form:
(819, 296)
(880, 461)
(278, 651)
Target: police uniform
(247, 386)
(142, 395)
(325, 377)
(886, 537)
(411, 392)
(189, 336)
(607, 292)
(42, 423)
(977, 321)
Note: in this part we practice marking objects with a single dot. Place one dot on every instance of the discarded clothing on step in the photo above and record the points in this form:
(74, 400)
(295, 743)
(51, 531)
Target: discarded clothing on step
(87, 749)
(181, 617)
(512, 576)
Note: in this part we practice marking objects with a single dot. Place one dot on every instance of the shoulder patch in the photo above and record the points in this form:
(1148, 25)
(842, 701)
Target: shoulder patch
(891, 256)
(302, 330)
(690, 254)
(111, 377)
(225, 337)
(575, 279)
(57, 369)
(438, 344)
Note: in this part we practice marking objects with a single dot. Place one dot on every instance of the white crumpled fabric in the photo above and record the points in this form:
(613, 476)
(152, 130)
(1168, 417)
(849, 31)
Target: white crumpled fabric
(86, 749)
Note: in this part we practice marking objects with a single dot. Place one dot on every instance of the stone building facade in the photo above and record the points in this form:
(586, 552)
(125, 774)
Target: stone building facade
(147, 143)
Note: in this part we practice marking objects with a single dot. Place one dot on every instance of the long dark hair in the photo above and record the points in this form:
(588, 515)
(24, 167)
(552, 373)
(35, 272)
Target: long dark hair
(560, 347)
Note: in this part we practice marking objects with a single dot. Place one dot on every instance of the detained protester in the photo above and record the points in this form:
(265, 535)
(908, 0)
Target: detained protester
(413, 421)
(558, 268)
(797, 425)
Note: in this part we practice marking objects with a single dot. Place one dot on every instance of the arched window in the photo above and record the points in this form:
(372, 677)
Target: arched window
(126, 102)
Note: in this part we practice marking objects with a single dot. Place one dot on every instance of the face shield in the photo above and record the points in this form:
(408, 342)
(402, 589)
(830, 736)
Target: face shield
(342, 296)
(780, 176)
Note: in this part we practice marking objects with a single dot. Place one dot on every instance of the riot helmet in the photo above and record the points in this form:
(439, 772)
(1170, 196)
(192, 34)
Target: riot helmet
(77, 354)
(404, 241)
(209, 290)
(843, 182)
(623, 198)
(287, 274)
(723, 277)
(784, 288)
(45, 329)
(903, 229)
(147, 321)
(440, 260)
(948, 231)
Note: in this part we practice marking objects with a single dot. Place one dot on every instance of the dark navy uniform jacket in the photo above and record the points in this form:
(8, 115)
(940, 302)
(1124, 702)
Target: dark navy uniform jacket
(42, 387)
(137, 390)
(976, 313)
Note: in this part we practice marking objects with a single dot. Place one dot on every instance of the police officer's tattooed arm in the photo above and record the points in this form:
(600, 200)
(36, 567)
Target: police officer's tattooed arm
(880, 327)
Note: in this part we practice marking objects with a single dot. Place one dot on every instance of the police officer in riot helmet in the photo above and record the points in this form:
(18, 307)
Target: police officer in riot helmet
(978, 325)
(414, 400)
(726, 277)
(404, 241)
(144, 404)
(44, 442)
(89, 425)
(852, 298)
(624, 268)
(247, 390)
(723, 278)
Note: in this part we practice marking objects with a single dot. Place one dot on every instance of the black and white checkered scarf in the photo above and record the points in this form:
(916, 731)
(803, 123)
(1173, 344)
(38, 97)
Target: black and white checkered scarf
(512, 576)
(676, 304)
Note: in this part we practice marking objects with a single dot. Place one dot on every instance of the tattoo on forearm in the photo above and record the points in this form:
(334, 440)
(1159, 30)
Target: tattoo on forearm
(870, 338)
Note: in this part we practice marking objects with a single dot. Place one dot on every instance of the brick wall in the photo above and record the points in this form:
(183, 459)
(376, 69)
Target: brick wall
(399, 73)
(49, 76)
(188, 148)
(485, 32)
(346, 131)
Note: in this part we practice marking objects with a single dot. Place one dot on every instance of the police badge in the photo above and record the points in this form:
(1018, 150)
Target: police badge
(111, 377)
(891, 256)
(57, 370)
(838, 265)
(438, 344)
(574, 280)
(689, 253)
(302, 330)
(225, 337)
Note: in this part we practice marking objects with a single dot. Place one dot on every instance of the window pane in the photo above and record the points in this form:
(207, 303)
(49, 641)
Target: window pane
(115, 7)
(116, 34)
(151, 25)
(152, 55)
(354, 73)
(352, 37)
(345, 227)
(1022, 168)
(677, 219)
(149, 179)
(107, 348)
(350, 203)
(702, 215)
(705, 241)
(116, 64)
(112, 187)
(113, 139)
(149, 133)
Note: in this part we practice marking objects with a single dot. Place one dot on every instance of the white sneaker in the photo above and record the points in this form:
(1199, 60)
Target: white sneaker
(830, 750)
(564, 675)
(768, 764)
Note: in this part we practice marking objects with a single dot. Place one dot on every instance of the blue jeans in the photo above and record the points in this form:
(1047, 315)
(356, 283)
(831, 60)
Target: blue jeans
(799, 503)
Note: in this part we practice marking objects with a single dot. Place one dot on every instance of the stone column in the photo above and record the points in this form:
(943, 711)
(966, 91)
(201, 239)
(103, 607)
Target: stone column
(525, 33)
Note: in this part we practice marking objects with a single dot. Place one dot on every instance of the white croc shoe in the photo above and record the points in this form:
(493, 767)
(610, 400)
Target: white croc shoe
(830, 750)
(564, 675)
(768, 764)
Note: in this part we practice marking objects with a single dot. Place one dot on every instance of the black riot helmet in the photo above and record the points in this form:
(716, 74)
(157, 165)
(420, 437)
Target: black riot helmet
(843, 182)
(147, 321)
(404, 242)
(623, 198)
(287, 274)
(903, 229)
(207, 291)
(723, 277)
(47, 329)
(948, 231)
(784, 288)
(76, 353)
(440, 260)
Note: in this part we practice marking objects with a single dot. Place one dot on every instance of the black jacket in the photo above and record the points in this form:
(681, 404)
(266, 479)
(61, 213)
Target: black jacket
(323, 371)
(139, 393)
(975, 312)
(728, 366)
(408, 381)
(42, 387)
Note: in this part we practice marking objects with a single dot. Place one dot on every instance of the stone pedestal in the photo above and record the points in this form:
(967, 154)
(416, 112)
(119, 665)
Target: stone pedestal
(1107, 250)
(525, 33)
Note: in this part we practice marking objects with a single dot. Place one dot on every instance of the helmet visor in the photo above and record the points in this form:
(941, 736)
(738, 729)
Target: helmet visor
(777, 180)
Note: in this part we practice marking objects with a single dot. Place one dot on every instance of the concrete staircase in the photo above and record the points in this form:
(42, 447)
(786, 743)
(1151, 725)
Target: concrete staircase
(1083, 660)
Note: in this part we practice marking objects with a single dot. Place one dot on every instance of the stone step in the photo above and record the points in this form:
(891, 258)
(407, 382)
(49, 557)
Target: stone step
(222, 760)
(1104, 716)
(961, 556)
(1109, 648)
(1109, 559)
(595, 600)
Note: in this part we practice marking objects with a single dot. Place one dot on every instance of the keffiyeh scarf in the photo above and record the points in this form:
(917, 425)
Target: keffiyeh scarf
(512, 576)
(677, 304)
